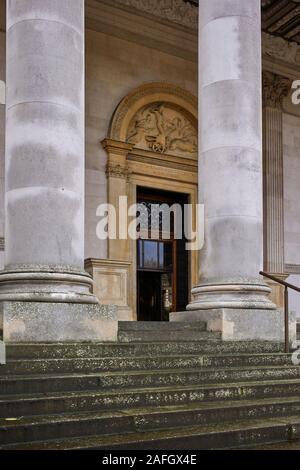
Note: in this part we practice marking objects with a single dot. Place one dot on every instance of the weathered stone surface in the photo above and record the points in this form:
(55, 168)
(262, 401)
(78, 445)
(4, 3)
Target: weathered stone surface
(133, 350)
(163, 331)
(21, 367)
(42, 321)
(45, 291)
(119, 395)
(242, 324)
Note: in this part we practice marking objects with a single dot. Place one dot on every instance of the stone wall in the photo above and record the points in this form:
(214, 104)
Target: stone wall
(114, 67)
(291, 157)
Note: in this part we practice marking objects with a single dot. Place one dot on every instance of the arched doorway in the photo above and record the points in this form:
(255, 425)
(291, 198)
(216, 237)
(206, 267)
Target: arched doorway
(152, 148)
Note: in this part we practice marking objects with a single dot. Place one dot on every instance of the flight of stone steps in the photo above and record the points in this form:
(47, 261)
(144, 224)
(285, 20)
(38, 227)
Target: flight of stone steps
(162, 386)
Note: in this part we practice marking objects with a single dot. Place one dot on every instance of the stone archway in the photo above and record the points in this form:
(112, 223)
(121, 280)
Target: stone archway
(144, 96)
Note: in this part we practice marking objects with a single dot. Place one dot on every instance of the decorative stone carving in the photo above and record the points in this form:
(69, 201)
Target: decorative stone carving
(1, 244)
(176, 11)
(149, 93)
(275, 88)
(163, 129)
(116, 171)
(279, 48)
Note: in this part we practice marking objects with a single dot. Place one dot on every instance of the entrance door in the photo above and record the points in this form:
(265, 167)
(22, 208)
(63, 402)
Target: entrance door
(149, 294)
(162, 262)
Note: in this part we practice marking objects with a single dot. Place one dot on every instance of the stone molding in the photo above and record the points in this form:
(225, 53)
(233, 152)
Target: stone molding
(275, 88)
(248, 295)
(116, 171)
(292, 268)
(38, 284)
(279, 48)
(140, 27)
(175, 11)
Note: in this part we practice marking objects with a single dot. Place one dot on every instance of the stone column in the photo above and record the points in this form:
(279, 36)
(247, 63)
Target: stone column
(44, 289)
(275, 88)
(231, 296)
(2, 129)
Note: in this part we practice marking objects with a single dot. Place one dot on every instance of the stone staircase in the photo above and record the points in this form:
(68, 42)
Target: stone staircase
(162, 386)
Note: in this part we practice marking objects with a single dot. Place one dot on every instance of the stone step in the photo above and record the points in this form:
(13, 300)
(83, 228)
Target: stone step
(91, 365)
(133, 336)
(141, 379)
(101, 350)
(288, 445)
(158, 326)
(233, 435)
(17, 405)
(37, 428)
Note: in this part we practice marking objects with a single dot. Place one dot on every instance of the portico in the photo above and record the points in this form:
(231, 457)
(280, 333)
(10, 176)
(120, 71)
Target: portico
(108, 115)
(57, 172)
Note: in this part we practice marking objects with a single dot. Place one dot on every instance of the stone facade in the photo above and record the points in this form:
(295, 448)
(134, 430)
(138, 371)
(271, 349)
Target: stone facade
(140, 109)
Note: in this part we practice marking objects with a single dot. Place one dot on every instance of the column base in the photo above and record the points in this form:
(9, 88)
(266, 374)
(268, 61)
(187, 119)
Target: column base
(37, 283)
(242, 324)
(235, 294)
(53, 322)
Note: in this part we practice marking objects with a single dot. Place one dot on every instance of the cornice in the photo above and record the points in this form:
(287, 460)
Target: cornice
(117, 19)
(281, 49)
(116, 147)
(176, 11)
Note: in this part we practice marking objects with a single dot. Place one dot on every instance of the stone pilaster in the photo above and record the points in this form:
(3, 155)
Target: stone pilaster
(44, 290)
(231, 296)
(117, 180)
(275, 88)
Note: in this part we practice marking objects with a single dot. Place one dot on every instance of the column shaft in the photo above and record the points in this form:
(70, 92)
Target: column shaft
(230, 160)
(44, 171)
(231, 295)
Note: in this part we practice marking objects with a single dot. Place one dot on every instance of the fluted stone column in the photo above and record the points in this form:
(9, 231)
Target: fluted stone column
(44, 289)
(231, 296)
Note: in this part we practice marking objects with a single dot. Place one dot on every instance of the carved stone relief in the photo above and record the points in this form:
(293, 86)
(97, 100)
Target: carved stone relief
(163, 129)
(176, 11)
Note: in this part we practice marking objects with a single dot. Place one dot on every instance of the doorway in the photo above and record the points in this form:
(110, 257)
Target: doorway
(162, 261)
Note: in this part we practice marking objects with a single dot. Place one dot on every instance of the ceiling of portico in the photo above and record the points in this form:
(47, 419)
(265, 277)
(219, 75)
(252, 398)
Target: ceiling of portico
(279, 17)
(282, 18)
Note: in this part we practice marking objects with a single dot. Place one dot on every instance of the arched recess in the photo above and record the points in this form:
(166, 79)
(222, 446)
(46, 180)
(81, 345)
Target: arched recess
(144, 96)
(161, 160)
